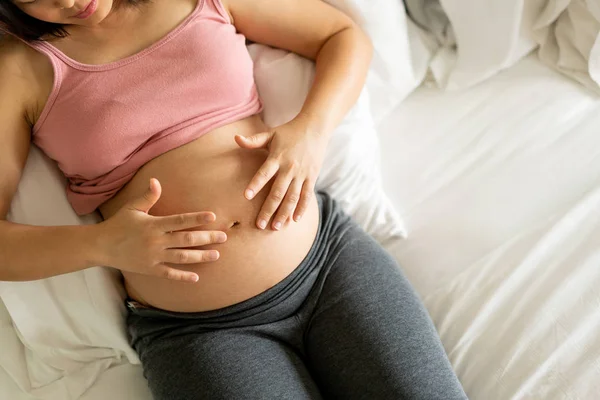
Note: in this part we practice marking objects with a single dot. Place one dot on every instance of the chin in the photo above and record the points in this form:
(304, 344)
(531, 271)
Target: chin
(103, 10)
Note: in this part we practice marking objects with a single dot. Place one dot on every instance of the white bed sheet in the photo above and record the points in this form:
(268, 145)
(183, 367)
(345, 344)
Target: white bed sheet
(500, 187)
(500, 190)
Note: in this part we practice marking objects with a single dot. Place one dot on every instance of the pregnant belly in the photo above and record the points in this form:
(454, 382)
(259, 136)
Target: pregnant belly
(211, 174)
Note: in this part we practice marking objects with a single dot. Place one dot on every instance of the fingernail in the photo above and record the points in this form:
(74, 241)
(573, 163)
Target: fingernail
(249, 194)
(209, 218)
(213, 255)
(262, 224)
(297, 219)
(195, 278)
(278, 225)
(222, 238)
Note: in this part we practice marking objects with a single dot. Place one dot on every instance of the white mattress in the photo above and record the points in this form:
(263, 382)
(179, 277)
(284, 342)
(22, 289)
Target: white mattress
(500, 190)
(500, 187)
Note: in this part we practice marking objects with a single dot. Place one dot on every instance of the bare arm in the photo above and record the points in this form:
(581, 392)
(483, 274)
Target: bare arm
(317, 31)
(132, 240)
(342, 52)
(28, 252)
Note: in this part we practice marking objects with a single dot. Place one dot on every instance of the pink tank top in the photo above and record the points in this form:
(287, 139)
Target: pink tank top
(102, 123)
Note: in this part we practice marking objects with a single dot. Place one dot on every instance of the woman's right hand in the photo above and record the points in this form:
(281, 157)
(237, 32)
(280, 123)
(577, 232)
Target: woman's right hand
(134, 241)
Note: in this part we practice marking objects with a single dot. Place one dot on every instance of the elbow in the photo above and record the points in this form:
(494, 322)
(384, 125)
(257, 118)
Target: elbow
(350, 37)
(362, 41)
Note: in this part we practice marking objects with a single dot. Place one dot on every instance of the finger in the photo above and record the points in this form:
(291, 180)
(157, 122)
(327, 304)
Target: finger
(286, 210)
(262, 177)
(180, 222)
(173, 274)
(257, 141)
(181, 256)
(194, 239)
(273, 200)
(145, 202)
(305, 199)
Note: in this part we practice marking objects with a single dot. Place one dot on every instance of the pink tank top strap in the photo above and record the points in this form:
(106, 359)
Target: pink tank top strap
(216, 6)
(212, 9)
(59, 71)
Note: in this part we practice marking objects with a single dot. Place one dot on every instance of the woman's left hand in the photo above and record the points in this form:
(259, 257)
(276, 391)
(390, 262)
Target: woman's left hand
(295, 157)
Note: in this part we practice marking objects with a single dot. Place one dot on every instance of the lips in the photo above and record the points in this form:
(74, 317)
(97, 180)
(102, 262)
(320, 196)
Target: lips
(89, 10)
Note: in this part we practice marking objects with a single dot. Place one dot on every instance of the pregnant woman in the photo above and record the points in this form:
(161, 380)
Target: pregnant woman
(243, 283)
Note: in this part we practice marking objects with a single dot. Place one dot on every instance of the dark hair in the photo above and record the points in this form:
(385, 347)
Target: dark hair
(14, 20)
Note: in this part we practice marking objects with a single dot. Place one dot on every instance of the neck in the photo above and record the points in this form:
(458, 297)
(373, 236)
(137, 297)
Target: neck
(120, 15)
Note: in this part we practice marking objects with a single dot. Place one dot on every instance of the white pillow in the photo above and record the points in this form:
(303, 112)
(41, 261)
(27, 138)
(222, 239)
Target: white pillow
(484, 38)
(568, 32)
(72, 325)
(400, 57)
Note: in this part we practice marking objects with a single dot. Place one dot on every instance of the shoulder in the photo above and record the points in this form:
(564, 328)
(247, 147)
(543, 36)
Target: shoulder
(12, 52)
(16, 57)
(26, 75)
(14, 66)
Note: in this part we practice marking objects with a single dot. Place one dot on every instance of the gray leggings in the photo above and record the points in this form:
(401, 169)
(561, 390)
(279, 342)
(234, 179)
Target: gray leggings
(346, 324)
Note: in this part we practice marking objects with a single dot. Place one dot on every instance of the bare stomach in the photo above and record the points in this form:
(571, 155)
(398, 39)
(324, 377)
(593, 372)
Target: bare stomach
(211, 174)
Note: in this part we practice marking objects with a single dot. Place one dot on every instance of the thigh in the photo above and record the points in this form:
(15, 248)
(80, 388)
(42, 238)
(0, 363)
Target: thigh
(370, 337)
(226, 365)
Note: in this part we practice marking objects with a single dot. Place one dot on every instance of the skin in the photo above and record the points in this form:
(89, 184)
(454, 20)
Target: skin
(153, 232)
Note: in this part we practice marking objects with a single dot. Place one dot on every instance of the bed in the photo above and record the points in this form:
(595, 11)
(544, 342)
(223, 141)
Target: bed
(498, 184)
(500, 189)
